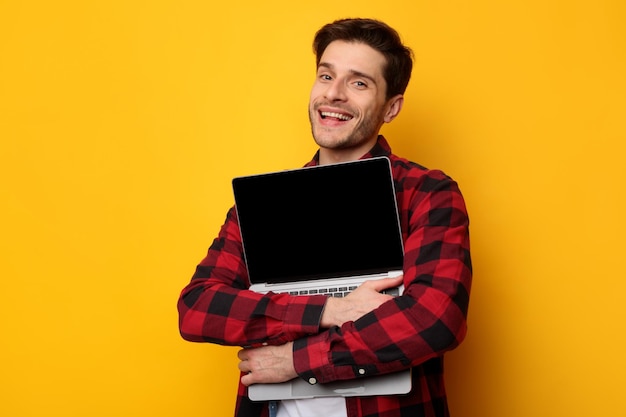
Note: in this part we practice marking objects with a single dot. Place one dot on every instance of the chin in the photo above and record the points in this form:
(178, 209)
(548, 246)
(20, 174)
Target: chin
(331, 143)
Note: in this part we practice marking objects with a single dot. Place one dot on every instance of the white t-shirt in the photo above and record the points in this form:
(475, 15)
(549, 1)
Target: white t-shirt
(314, 407)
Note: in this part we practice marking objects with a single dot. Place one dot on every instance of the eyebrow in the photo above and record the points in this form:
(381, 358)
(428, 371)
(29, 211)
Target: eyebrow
(353, 72)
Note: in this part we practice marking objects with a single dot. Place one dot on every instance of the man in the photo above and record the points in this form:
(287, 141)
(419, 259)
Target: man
(362, 72)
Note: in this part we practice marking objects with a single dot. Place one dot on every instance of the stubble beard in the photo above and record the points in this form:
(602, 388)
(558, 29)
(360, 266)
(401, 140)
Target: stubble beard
(364, 131)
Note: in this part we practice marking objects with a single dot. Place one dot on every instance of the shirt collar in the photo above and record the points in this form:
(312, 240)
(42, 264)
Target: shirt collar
(380, 148)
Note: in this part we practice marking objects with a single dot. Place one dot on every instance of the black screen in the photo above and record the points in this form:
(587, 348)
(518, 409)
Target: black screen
(317, 222)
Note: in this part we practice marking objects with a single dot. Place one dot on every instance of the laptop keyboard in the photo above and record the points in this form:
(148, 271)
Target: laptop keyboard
(330, 291)
(337, 291)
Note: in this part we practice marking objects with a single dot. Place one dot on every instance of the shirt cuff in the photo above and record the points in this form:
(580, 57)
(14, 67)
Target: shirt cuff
(313, 360)
(303, 315)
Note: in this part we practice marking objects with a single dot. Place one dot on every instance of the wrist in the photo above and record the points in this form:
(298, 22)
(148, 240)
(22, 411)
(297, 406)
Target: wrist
(328, 318)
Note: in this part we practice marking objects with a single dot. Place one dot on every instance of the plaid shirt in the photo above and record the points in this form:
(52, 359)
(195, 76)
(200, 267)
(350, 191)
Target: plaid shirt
(413, 330)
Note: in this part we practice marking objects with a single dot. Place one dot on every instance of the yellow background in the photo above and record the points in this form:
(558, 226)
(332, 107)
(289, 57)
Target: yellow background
(122, 123)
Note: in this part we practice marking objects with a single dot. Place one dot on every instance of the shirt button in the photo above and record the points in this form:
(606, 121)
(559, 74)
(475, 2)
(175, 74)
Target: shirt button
(361, 371)
(312, 381)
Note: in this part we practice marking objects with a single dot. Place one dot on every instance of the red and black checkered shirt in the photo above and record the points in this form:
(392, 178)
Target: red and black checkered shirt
(410, 331)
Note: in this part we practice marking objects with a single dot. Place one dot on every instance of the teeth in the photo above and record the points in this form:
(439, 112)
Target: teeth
(336, 115)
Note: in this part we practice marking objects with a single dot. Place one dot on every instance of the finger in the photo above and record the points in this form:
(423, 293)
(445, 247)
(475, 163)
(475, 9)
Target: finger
(244, 366)
(398, 280)
(242, 354)
(248, 379)
(384, 283)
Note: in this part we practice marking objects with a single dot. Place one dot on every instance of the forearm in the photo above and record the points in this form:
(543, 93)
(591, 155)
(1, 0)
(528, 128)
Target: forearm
(401, 333)
(209, 311)
(426, 321)
(216, 306)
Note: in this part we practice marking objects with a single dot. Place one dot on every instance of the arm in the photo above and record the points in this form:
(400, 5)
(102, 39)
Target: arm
(271, 364)
(428, 319)
(216, 306)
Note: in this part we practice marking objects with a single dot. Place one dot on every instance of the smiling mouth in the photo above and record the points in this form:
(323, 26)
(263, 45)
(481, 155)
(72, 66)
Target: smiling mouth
(334, 115)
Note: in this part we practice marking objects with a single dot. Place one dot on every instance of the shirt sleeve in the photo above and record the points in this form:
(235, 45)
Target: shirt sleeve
(217, 307)
(429, 318)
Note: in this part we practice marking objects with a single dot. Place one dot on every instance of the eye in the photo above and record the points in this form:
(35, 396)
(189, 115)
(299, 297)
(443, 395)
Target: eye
(325, 77)
(360, 84)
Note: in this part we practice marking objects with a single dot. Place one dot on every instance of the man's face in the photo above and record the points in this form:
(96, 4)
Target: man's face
(348, 105)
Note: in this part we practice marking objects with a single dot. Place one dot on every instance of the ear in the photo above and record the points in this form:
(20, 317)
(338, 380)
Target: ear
(394, 105)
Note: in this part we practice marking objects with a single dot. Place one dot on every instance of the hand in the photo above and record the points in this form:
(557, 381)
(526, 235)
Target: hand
(267, 364)
(364, 299)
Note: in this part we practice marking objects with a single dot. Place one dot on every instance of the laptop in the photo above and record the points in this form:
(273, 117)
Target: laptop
(321, 230)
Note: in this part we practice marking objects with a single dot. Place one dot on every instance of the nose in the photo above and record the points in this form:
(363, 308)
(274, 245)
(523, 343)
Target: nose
(336, 91)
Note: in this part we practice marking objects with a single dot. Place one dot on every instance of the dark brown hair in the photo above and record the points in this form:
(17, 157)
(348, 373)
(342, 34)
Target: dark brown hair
(377, 35)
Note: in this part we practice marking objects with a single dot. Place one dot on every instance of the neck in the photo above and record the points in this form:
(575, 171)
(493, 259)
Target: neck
(335, 156)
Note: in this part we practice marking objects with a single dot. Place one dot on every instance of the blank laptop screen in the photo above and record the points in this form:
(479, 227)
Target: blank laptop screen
(319, 222)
